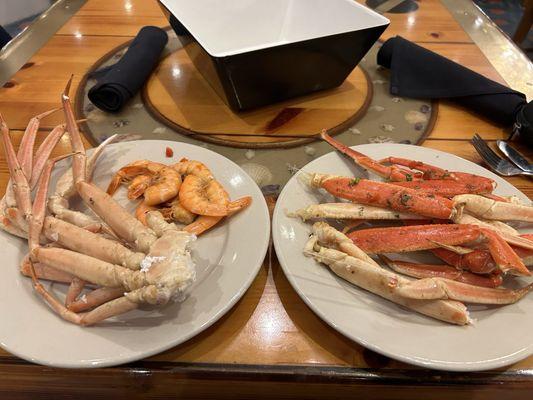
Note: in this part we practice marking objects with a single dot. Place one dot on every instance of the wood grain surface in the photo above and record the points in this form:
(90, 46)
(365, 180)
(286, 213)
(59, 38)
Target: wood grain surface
(270, 343)
(430, 23)
(177, 93)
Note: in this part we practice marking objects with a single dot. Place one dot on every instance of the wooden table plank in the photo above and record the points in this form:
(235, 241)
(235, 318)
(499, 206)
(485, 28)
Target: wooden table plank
(466, 54)
(114, 18)
(38, 87)
(282, 382)
(430, 23)
(458, 123)
(96, 24)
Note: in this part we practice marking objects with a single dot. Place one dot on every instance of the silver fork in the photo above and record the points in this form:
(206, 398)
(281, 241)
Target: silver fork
(494, 161)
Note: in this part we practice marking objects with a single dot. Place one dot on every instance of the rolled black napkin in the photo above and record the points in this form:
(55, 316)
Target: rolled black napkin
(420, 73)
(124, 79)
(5, 37)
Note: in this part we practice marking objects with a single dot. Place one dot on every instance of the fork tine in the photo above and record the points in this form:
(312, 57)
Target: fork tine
(492, 159)
(483, 146)
(489, 160)
(486, 152)
(489, 154)
(478, 146)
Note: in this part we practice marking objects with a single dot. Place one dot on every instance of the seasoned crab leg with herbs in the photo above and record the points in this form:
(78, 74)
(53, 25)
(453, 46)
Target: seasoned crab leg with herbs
(391, 173)
(417, 175)
(403, 199)
(385, 195)
(425, 237)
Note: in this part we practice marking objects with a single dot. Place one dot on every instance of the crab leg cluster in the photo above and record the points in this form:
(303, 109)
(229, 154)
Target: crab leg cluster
(124, 262)
(453, 215)
(331, 248)
(438, 294)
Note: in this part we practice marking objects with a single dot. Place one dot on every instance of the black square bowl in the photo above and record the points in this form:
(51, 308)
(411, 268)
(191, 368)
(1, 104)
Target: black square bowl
(257, 52)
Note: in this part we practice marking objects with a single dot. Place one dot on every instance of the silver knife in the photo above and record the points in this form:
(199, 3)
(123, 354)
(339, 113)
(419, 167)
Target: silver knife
(518, 159)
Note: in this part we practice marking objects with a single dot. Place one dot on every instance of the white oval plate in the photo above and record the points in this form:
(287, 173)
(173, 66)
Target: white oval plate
(499, 337)
(226, 263)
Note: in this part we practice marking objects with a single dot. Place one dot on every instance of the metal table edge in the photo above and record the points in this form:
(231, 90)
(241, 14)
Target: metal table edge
(298, 373)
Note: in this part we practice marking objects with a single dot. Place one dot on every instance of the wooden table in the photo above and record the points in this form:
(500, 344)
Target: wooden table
(270, 344)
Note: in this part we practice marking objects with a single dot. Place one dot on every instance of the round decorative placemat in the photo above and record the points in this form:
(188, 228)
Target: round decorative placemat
(383, 119)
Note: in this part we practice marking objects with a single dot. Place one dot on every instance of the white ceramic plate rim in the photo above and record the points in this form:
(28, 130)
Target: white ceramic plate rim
(253, 266)
(277, 222)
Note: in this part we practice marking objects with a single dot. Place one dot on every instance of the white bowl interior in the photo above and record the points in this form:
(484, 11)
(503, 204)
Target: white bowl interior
(231, 27)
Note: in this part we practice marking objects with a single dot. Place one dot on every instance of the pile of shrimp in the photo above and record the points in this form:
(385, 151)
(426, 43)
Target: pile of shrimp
(186, 193)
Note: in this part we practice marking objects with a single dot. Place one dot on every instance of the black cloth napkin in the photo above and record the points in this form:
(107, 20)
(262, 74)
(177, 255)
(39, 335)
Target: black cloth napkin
(5, 37)
(124, 79)
(420, 73)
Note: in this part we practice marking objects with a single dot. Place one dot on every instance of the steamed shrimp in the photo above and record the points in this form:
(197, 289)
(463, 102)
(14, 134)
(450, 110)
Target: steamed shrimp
(205, 222)
(200, 192)
(157, 182)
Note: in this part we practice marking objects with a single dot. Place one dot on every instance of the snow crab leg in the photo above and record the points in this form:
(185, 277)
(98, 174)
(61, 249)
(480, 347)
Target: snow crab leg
(171, 272)
(385, 195)
(21, 187)
(351, 211)
(416, 174)
(477, 261)
(83, 241)
(448, 188)
(442, 288)
(58, 203)
(347, 264)
(25, 153)
(483, 207)
(44, 272)
(392, 173)
(44, 151)
(425, 237)
(441, 271)
(472, 183)
(95, 298)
